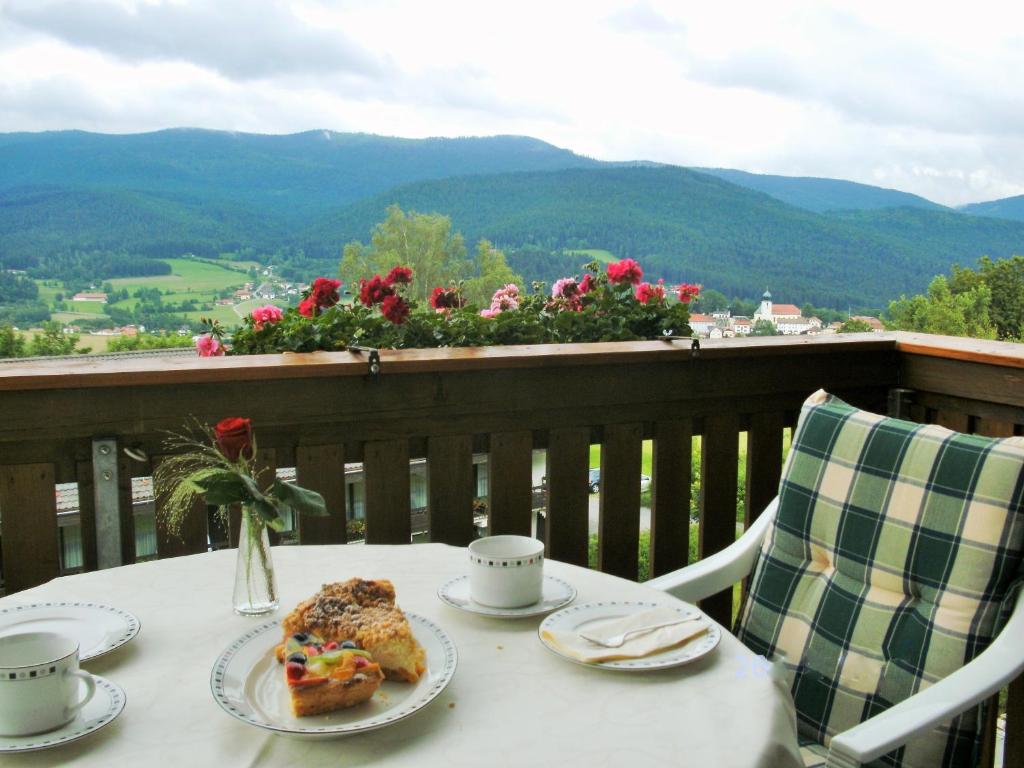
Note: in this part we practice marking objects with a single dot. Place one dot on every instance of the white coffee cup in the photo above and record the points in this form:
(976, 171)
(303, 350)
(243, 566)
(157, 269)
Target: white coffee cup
(40, 683)
(506, 571)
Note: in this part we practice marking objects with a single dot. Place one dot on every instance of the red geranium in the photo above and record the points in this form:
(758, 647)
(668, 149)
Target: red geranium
(325, 292)
(234, 438)
(688, 292)
(650, 294)
(374, 291)
(625, 271)
(399, 275)
(394, 309)
(444, 299)
(587, 284)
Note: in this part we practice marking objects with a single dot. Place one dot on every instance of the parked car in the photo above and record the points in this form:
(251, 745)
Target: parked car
(594, 480)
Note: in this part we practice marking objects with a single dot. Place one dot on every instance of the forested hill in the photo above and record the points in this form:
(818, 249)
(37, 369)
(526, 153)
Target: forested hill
(291, 177)
(821, 195)
(1007, 208)
(685, 225)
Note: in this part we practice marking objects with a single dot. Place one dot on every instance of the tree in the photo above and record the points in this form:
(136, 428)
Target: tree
(422, 241)
(943, 312)
(12, 343)
(492, 272)
(853, 325)
(1005, 280)
(764, 328)
(710, 301)
(53, 341)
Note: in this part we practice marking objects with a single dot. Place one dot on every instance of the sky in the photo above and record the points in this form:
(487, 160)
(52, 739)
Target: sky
(924, 97)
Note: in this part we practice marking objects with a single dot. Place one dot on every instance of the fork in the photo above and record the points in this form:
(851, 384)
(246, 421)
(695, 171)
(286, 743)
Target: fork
(615, 641)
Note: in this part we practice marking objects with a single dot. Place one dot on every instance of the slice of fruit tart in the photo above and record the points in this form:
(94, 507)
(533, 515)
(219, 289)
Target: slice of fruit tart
(327, 676)
(362, 611)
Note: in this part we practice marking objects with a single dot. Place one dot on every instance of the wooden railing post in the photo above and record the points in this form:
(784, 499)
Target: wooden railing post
(718, 462)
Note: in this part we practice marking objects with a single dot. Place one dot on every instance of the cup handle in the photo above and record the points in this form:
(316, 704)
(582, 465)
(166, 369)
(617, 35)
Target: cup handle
(90, 685)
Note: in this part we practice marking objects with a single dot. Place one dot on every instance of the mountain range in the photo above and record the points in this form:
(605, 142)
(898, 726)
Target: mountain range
(827, 241)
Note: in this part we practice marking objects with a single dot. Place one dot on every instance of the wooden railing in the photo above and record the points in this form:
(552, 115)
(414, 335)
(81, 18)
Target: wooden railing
(102, 421)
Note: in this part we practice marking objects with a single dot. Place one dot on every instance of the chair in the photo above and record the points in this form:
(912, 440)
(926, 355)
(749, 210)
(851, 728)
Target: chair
(885, 581)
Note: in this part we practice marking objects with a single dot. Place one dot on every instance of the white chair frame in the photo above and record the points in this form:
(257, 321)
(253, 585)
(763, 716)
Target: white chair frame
(983, 676)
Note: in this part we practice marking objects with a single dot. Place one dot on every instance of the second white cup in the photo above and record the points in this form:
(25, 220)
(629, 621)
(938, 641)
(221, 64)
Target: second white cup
(506, 571)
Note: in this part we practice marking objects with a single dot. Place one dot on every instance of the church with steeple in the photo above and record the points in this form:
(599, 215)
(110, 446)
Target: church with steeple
(787, 318)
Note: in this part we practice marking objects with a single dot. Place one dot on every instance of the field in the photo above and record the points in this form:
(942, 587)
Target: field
(189, 279)
(95, 344)
(594, 254)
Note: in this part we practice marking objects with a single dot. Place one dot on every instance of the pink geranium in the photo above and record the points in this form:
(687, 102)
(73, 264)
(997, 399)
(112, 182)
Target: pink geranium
(266, 315)
(207, 346)
(625, 271)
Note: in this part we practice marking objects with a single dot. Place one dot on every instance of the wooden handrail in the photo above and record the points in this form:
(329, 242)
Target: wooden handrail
(124, 371)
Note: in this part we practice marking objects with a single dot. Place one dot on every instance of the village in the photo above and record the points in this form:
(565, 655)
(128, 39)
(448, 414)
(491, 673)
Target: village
(776, 319)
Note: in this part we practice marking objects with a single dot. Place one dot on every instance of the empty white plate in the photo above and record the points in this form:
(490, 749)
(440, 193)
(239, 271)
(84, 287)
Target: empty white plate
(99, 629)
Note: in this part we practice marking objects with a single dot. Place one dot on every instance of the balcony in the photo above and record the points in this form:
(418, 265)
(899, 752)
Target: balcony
(101, 422)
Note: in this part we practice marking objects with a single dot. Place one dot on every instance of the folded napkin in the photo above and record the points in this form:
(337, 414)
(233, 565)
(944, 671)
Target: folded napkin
(636, 646)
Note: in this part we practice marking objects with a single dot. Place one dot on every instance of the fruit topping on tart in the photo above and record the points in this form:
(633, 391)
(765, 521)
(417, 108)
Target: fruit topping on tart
(326, 676)
(364, 612)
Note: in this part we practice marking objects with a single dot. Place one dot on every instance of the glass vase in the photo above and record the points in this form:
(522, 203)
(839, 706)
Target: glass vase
(255, 583)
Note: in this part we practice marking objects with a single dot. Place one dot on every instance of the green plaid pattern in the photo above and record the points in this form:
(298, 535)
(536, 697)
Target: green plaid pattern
(895, 549)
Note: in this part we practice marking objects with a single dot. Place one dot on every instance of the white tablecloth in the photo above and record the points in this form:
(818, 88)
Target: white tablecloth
(511, 702)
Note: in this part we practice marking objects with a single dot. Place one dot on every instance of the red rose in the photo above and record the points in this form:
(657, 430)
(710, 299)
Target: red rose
(374, 291)
(400, 275)
(625, 271)
(394, 309)
(234, 437)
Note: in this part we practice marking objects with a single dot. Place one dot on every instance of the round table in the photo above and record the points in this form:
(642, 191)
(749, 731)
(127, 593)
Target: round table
(511, 701)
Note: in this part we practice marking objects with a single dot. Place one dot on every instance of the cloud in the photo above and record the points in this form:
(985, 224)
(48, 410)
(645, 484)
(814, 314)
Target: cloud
(872, 75)
(239, 39)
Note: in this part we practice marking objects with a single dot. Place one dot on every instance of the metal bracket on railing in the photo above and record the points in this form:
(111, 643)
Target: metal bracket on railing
(373, 359)
(106, 495)
(694, 343)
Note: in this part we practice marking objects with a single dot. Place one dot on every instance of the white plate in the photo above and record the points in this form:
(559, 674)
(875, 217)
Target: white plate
(578, 617)
(101, 710)
(99, 629)
(555, 593)
(248, 683)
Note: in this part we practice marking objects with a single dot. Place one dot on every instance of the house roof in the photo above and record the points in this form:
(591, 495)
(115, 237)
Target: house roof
(786, 309)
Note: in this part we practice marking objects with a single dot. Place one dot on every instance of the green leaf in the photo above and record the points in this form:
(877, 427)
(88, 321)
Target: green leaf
(300, 499)
(268, 513)
(220, 487)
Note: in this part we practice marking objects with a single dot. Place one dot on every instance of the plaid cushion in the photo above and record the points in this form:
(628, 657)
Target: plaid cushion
(895, 546)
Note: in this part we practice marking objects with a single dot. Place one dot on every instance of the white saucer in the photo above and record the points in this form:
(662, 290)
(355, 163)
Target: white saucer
(101, 711)
(98, 628)
(555, 593)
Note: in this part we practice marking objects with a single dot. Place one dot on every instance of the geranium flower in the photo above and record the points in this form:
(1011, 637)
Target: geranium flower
(266, 315)
(394, 309)
(625, 271)
(399, 275)
(374, 291)
(506, 298)
(307, 307)
(207, 346)
(489, 313)
(587, 284)
(325, 292)
(650, 294)
(446, 299)
(688, 292)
